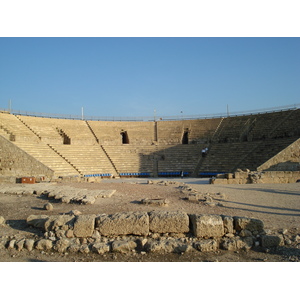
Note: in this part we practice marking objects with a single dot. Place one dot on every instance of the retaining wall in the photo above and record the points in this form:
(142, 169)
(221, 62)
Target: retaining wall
(16, 162)
(257, 177)
(155, 231)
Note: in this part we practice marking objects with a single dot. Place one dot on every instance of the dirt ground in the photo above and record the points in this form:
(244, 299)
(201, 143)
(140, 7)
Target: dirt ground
(277, 205)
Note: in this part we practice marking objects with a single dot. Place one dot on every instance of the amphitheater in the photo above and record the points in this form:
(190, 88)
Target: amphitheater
(56, 147)
(116, 168)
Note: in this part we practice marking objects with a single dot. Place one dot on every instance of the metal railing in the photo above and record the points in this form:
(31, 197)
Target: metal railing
(153, 118)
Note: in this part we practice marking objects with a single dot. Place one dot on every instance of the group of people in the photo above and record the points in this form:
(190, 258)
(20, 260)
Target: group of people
(204, 152)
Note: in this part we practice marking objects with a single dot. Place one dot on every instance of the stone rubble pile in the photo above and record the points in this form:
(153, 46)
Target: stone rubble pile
(210, 199)
(155, 231)
(64, 194)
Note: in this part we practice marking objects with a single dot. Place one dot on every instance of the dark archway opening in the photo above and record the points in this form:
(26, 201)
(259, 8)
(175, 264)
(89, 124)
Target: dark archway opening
(125, 139)
(185, 138)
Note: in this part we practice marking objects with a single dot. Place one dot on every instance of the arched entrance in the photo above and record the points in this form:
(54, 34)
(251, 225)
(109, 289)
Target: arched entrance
(185, 137)
(124, 135)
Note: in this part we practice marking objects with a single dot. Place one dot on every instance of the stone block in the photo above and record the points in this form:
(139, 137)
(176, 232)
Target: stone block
(237, 243)
(168, 222)
(252, 225)
(84, 225)
(55, 222)
(2, 220)
(207, 226)
(101, 248)
(167, 246)
(233, 181)
(136, 223)
(220, 181)
(123, 246)
(228, 224)
(62, 245)
(29, 243)
(269, 241)
(207, 245)
(43, 244)
(37, 221)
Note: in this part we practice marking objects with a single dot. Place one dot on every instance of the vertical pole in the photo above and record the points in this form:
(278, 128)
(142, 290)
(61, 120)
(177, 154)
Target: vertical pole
(154, 115)
(81, 113)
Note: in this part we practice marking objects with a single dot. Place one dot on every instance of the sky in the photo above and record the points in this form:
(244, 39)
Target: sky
(134, 76)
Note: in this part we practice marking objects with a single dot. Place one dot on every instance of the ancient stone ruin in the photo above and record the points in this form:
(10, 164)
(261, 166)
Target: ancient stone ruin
(155, 231)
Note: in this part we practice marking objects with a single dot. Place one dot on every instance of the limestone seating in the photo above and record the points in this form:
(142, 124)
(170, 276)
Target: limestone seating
(17, 128)
(88, 159)
(48, 157)
(130, 158)
(109, 133)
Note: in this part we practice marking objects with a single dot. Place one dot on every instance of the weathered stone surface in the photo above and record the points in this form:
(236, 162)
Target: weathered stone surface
(3, 242)
(123, 246)
(136, 223)
(84, 225)
(269, 241)
(43, 244)
(62, 245)
(207, 245)
(84, 249)
(55, 222)
(167, 246)
(29, 243)
(20, 244)
(48, 206)
(228, 224)
(88, 200)
(11, 244)
(237, 243)
(155, 202)
(207, 226)
(101, 248)
(2, 220)
(69, 233)
(249, 224)
(37, 221)
(167, 221)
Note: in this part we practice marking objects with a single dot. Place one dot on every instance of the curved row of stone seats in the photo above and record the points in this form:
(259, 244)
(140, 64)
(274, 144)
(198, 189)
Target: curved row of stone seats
(44, 154)
(264, 151)
(201, 131)
(110, 132)
(43, 128)
(57, 131)
(265, 123)
(231, 129)
(15, 129)
(224, 157)
(131, 158)
(289, 127)
(178, 158)
(170, 132)
(88, 159)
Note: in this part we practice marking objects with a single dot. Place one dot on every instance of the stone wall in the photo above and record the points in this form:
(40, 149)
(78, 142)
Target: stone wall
(245, 177)
(156, 231)
(16, 162)
(286, 160)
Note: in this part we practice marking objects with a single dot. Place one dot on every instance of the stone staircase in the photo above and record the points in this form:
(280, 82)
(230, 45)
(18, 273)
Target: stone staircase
(87, 159)
(44, 154)
(130, 159)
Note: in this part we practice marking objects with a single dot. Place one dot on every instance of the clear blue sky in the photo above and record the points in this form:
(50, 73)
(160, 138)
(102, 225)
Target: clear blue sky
(133, 76)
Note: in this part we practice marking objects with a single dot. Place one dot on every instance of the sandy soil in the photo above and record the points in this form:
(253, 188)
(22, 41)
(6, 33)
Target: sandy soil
(277, 205)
